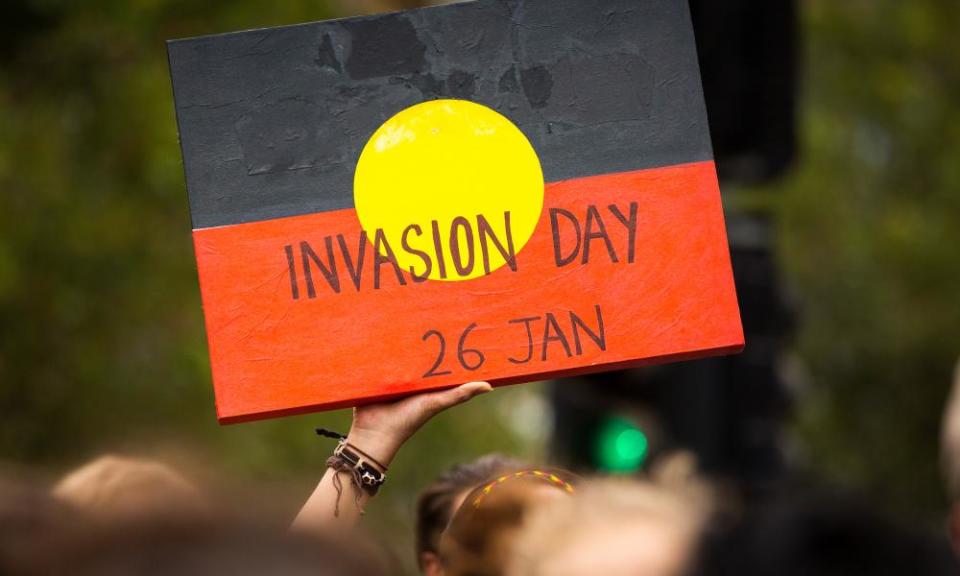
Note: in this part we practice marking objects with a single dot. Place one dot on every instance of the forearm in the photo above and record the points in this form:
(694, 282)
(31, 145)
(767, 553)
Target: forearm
(337, 502)
(327, 507)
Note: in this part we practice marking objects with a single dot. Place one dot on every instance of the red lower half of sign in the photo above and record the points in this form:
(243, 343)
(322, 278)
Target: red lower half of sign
(304, 314)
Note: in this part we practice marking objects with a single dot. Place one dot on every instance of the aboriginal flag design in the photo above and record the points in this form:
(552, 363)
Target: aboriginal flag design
(496, 190)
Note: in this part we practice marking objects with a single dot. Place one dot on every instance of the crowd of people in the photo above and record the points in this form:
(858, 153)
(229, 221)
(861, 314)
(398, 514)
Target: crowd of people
(488, 517)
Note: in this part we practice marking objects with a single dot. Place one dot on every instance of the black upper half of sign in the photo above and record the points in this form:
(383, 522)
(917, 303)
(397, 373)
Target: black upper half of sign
(272, 122)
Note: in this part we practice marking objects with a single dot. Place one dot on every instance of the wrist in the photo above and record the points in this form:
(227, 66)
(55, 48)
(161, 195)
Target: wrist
(378, 445)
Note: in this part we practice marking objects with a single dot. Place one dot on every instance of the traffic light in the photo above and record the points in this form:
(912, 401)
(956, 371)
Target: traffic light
(620, 446)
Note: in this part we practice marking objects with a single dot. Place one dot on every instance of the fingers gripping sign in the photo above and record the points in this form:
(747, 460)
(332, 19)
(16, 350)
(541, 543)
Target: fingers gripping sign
(381, 429)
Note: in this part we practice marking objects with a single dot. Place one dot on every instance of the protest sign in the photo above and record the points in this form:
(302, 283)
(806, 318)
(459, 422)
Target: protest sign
(492, 190)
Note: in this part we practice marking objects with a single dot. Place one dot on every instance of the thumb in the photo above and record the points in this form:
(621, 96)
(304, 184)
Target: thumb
(444, 399)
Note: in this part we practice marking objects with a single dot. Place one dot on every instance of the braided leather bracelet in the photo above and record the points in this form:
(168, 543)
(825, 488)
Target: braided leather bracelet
(366, 473)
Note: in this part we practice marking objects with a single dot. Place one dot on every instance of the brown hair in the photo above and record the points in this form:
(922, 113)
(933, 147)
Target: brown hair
(32, 523)
(479, 539)
(190, 547)
(435, 502)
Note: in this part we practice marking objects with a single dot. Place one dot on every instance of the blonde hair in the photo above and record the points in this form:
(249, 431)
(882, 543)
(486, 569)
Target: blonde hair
(599, 504)
(118, 488)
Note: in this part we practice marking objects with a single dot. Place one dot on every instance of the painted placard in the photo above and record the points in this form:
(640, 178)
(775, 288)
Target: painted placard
(491, 190)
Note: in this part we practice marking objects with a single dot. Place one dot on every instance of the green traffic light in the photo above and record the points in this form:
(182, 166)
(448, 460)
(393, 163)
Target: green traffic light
(621, 446)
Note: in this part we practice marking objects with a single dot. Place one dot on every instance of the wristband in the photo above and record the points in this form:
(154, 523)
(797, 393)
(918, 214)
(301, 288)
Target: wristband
(365, 472)
(368, 474)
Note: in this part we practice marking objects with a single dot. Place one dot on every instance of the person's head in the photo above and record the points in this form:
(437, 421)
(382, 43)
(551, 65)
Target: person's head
(437, 503)
(213, 547)
(32, 523)
(950, 458)
(613, 527)
(113, 488)
(480, 538)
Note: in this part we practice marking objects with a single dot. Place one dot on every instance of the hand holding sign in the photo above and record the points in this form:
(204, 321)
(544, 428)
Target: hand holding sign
(381, 429)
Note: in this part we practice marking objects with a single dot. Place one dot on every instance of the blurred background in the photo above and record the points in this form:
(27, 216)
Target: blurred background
(837, 129)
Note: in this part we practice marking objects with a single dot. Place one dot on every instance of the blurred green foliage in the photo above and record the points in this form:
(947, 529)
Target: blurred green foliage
(870, 236)
(102, 343)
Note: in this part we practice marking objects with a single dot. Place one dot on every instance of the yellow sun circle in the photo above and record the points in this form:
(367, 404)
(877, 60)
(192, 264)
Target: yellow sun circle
(455, 186)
